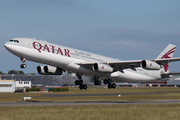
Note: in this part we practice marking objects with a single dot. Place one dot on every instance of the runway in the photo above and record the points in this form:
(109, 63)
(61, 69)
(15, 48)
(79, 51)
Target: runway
(52, 103)
(88, 103)
(107, 94)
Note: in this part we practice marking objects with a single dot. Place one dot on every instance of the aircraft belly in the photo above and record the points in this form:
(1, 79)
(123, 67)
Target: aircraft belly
(129, 76)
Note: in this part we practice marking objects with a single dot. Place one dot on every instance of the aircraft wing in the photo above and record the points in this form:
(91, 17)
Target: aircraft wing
(137, 63)
(132, 64)
(120, 65)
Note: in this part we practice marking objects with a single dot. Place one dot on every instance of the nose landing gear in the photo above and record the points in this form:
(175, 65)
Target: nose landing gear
(23, 61)
(23, 65)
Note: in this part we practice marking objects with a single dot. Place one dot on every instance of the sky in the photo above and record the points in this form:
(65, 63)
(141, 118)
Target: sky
(123, 29)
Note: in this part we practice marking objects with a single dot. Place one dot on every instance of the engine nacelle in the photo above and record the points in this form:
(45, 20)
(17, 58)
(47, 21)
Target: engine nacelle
(50, 70)
(150, 65)
(40, 69)
(102, 68)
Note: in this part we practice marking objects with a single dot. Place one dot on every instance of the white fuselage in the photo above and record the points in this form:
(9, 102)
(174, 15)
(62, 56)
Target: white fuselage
(67, 58)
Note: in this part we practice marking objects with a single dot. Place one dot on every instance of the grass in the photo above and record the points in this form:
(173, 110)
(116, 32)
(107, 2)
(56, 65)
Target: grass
(93, 112)
(12, 97)
(101, 90)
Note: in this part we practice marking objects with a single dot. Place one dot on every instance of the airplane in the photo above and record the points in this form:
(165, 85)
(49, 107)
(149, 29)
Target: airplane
(59, 59)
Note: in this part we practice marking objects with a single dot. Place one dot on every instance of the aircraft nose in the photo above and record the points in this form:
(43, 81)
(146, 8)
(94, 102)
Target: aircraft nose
(7, 46)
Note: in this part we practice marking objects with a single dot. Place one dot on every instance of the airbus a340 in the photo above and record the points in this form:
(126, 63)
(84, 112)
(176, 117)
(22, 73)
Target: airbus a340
(60, 58)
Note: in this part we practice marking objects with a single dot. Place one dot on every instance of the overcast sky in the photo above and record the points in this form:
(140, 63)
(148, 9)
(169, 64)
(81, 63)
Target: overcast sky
(123, 29)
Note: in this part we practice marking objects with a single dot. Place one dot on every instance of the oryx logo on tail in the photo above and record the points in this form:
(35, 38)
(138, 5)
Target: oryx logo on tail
(168, 52)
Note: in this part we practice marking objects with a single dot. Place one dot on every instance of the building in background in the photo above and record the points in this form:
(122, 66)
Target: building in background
(46, 80)
(69, 79)
(7, 85)
(22, 85)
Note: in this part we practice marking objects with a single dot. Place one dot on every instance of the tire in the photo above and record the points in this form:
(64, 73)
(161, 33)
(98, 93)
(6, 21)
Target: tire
(23, 65)
(77, 82)
(109, 86)
(98, 82)
(109, 81)
(80, 87)
(95, 83)
(80, 82)
(113, 85)
(85, 86)
(105, 81)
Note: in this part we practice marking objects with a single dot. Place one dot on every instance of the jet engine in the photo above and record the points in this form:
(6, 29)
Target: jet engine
(40, 69)
(102, 68)
(150, 65)
(49, 70)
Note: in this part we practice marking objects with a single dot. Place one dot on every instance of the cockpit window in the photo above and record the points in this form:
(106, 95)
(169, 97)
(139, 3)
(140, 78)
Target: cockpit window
(17, 41)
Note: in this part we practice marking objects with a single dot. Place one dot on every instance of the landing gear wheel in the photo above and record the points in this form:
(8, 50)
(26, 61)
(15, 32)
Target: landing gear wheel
(95, 83)
(23, 65)
(80, 87)
(105, 81)
(113, 85)
(77, 82)
(109, 81)
(98, 82)
(80, 82)
(109, 86)
(85, 86)
(23, 61)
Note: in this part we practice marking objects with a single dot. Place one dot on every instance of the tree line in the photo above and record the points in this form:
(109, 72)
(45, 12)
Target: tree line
(14, 72)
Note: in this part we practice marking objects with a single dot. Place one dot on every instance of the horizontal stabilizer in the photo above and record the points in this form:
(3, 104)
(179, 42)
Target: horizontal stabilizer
(166, 75)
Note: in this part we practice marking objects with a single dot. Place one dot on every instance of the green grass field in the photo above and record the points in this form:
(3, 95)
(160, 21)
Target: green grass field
(12, 97)
(95, 112)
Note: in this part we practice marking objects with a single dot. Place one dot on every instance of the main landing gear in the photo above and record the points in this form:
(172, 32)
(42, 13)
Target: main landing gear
(80, 83)
(106, 81)
(23, 61)
(110, 84)
(96, 81)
